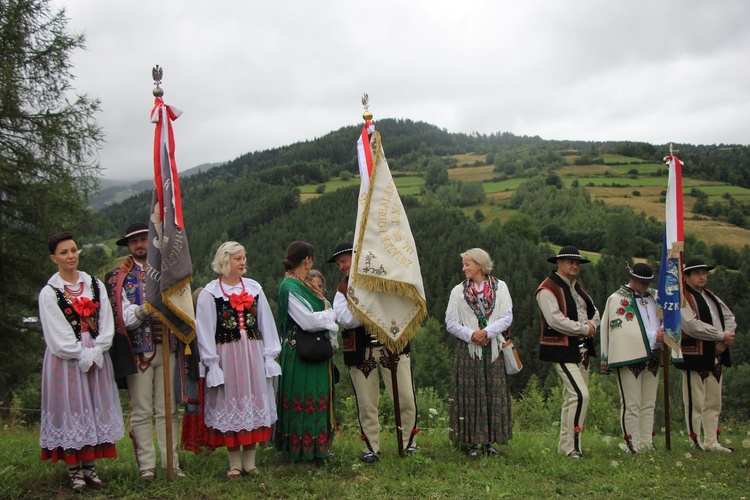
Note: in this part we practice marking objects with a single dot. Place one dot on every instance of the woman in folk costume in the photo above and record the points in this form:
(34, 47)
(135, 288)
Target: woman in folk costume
(479, 311)
(81, 416)
(305, 427)
(238, 345)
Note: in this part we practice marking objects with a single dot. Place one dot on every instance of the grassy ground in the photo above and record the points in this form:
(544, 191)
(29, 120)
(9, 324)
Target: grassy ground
(529, 468)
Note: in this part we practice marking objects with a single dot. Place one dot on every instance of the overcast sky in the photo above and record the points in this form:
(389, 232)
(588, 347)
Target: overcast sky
(253, 75)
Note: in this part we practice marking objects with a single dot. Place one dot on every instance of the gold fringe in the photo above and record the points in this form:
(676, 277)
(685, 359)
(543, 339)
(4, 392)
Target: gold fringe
(393, 345)
(190, 321)
(672, 344)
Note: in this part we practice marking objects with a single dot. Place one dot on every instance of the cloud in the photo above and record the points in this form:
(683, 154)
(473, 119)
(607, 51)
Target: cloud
(255, 75)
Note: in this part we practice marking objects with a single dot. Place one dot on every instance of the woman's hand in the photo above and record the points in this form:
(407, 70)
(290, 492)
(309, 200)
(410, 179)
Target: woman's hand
(479, 337)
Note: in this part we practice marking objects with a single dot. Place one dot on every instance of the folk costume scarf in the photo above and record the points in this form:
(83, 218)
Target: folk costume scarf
(291, 286)
(482, 309)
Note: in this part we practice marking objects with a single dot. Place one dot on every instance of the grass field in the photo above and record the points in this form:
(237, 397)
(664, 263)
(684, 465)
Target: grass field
(609, 159)
(529, 468)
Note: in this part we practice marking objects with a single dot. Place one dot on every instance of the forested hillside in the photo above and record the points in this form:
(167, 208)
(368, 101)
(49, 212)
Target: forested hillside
(256, 200)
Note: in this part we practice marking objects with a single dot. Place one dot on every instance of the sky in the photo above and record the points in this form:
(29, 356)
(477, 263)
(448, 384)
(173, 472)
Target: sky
(250, 75)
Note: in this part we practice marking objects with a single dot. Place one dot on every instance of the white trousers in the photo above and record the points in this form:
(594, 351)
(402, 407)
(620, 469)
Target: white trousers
(702, 400)
(575, 378)
(146, 392)
(367, 392)
(637, 405)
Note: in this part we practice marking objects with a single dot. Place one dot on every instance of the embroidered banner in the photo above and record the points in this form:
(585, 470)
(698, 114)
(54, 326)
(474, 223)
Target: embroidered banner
(670, 270)
(170, 269)
(385, 292)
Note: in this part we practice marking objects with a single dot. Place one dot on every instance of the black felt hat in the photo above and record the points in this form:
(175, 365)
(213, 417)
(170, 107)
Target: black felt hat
(568, 252)
(640, 272)
(696, 263)
(132, 230)
(341, 248)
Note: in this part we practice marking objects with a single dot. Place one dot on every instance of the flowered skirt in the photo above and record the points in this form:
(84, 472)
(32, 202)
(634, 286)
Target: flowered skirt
(243, 409)
(480, 407)
(304, 430)
(81, 415)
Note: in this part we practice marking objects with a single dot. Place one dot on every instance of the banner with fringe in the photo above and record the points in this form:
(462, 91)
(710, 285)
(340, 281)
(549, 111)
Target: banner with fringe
(386, 293)
(170, 269)
(670, 271)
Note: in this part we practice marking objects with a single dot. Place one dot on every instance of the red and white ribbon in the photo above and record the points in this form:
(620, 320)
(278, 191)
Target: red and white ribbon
(162, 114)
(364, 154)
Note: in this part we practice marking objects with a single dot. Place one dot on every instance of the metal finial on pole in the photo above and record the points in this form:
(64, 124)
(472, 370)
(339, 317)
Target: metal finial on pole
(367, 115)
(157, 73)
(671, 152)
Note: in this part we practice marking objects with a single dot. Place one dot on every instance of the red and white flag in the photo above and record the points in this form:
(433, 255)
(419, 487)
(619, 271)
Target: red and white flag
(170, 269)
(669, 297)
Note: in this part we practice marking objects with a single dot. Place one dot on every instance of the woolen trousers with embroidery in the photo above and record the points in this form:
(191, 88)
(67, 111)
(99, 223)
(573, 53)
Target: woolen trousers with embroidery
(146, 391)
(367, 392)
(702, 398)
(575, 378)
(637, 404)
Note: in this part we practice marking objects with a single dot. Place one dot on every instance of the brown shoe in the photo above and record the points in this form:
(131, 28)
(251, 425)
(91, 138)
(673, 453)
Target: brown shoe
(91, 479)
(148, 474)
(76, 480)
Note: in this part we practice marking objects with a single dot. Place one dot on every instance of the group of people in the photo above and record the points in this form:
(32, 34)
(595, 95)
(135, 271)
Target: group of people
(632, 337)
(256, 385)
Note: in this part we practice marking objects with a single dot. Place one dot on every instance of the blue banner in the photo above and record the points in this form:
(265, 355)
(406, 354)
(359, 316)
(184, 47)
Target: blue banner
(670, 296)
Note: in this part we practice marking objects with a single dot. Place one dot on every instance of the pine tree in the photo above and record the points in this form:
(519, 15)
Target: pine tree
(48, 138)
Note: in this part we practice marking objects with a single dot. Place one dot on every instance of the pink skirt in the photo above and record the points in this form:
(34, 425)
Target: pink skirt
(80, 411)
(246, 401)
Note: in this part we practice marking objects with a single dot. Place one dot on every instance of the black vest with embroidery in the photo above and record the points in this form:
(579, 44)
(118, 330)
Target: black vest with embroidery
(71, 316)
(228, 324)
(697, 354)
(557, 347)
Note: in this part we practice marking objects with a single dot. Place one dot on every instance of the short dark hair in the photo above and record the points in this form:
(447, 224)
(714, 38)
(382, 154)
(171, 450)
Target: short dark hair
(296, 252)
(58, 238)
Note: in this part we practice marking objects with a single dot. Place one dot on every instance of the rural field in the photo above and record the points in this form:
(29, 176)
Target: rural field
(611, 182)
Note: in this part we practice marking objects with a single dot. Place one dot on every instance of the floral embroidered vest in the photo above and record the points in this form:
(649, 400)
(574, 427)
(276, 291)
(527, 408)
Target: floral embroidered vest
(227, 322)
(71, 316)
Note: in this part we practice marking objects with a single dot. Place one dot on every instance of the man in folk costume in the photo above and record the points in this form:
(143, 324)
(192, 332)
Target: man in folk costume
(364, 355)
(137, 355)
(708, 328)
(569, 322)
(631, 342)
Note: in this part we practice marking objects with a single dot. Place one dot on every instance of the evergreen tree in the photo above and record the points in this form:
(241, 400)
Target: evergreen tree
(46, 168)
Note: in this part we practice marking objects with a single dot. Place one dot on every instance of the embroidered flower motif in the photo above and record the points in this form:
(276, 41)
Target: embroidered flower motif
(621, 311)
(629, 315)
(577, 429)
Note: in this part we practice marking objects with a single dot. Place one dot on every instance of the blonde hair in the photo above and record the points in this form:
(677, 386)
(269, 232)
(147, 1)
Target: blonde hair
(480, 257)
(224, 254)
(314, 273)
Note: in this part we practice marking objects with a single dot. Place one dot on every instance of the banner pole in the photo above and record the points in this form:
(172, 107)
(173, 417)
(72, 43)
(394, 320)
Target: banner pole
(157, 73)
(667, 425)
(392, 363)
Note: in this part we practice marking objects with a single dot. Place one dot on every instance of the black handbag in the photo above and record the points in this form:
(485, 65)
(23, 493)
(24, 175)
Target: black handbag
(313, 347)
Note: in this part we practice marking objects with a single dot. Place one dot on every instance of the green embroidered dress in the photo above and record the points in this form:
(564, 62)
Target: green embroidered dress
(304, 430)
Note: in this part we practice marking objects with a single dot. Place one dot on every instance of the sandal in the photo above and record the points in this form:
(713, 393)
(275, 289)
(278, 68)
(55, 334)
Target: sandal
(76, 480)
(148, 474)
(251, 472)
(234, 473)
(92, 479)
(179, 473)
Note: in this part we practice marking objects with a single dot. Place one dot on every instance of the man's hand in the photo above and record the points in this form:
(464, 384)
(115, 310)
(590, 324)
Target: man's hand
(728, 339)
(720, 348)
